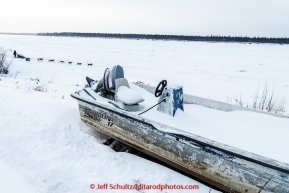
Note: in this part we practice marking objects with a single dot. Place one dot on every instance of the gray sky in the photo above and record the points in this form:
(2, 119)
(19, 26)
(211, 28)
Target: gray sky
(179, 17)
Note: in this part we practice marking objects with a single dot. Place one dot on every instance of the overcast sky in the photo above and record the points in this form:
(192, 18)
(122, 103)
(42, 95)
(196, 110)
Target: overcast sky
(179, 17)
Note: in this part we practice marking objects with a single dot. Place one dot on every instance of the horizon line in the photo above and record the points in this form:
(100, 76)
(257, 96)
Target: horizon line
(20, 33)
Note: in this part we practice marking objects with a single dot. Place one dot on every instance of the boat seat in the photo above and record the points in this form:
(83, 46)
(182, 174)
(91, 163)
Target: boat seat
(120, 82)
(130, 98)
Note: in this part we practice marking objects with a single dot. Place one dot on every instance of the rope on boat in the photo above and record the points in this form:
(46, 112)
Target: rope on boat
(164, 100)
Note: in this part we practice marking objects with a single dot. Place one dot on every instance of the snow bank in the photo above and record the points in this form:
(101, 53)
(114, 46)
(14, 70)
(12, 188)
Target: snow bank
(12, 181)
(44, 140)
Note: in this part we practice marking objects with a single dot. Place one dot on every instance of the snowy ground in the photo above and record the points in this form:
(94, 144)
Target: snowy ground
(221, 71)
(45, 147)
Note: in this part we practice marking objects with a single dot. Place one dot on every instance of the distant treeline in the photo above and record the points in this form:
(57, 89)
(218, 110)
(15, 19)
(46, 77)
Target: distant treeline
(174, 37)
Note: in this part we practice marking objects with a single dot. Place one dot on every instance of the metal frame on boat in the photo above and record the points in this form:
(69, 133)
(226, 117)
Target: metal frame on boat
(222, 166)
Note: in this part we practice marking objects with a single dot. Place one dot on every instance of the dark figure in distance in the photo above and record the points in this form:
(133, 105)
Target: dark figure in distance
(14, 53)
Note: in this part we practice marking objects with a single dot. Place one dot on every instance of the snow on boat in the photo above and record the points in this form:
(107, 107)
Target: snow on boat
(222, 166)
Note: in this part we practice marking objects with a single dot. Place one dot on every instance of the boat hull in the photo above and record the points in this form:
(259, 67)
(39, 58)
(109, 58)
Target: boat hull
(224, 167)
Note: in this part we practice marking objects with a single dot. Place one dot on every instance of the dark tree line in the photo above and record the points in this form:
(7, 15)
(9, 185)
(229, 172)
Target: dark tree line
(174, 37)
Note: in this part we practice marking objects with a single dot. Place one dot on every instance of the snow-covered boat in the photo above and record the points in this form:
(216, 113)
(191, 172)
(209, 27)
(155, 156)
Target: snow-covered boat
(225, 167)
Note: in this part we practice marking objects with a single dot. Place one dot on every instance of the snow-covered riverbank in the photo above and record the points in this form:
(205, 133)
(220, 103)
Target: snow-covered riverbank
(50, 150)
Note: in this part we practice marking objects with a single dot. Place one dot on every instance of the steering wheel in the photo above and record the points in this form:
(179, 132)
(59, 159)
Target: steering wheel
(160, 88)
